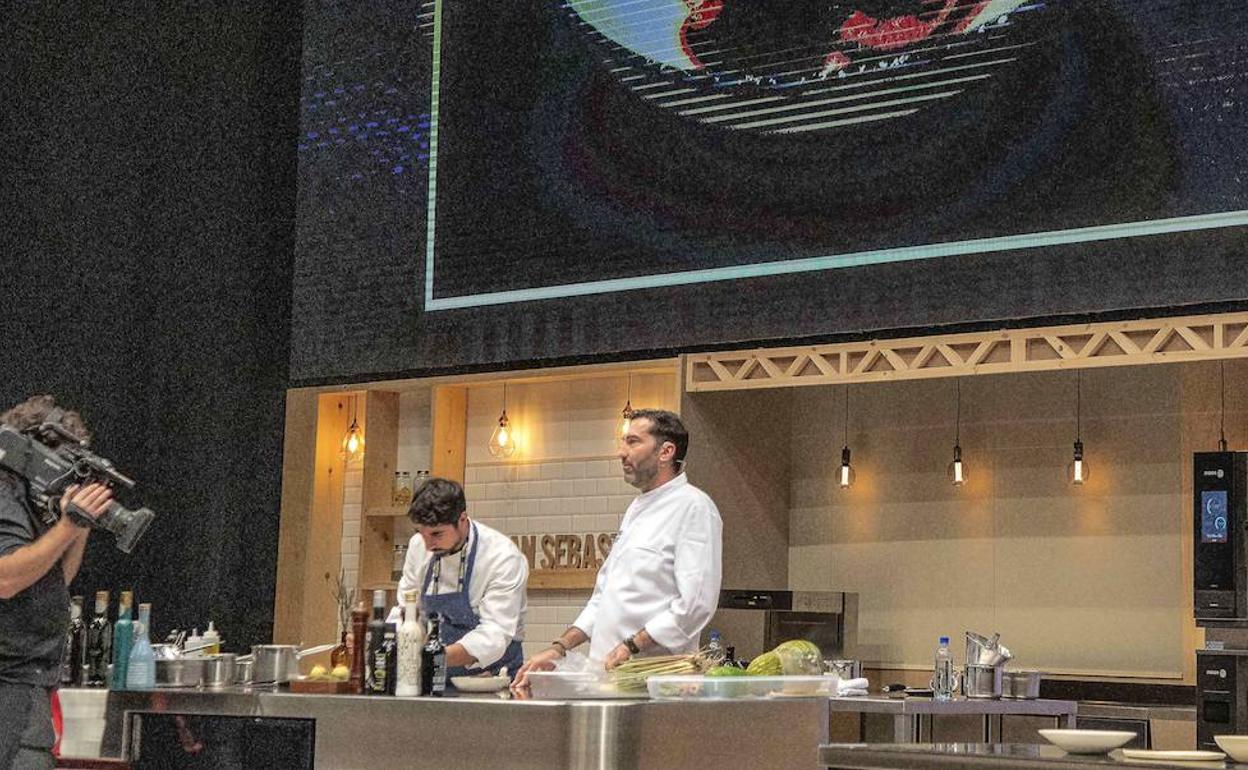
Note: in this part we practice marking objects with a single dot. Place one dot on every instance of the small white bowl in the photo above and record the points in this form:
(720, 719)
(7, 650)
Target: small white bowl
(1087, 741)
(1236, 746)
(480, 683)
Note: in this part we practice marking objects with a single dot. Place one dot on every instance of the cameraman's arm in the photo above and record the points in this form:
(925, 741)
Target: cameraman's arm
(27, 558)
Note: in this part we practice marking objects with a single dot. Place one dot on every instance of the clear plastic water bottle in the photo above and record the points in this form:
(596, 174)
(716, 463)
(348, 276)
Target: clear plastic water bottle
(715, 646)
(942, 677)
(141, 672)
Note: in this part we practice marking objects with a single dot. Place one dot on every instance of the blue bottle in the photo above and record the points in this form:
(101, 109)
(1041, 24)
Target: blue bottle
(123, 641)
(142, 671)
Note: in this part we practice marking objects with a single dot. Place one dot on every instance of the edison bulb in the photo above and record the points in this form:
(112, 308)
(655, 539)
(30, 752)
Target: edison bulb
(502, 443)
(957, 470)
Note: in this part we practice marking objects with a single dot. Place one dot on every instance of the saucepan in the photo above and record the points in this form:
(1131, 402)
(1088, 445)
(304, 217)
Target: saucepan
(981, 681)
(279, 663)
(218, 670)
(180, 672)
(1021, 685)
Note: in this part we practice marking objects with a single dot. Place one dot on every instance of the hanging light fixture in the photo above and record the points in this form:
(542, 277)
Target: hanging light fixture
(353, 441)
(957, 471)
(1077, 471)
(502, 441)
(846, 476)
(1222, 427)
(626, 418)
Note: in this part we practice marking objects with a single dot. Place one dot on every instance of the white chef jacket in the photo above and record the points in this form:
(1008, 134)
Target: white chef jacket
(497, 592)
(662, 574)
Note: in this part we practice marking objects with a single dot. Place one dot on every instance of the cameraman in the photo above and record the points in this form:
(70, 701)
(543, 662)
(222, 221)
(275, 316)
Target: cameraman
(37, 563)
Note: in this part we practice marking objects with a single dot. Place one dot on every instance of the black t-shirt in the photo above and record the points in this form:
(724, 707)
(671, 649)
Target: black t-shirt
(33, 623)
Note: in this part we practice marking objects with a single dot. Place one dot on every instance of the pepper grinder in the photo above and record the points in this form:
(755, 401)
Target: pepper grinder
(359, 631)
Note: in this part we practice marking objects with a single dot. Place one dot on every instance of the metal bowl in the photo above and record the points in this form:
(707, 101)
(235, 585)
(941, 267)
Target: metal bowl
(1021, 685)
(179, 672)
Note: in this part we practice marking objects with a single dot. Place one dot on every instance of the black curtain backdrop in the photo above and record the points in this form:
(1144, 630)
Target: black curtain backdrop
(148, 195)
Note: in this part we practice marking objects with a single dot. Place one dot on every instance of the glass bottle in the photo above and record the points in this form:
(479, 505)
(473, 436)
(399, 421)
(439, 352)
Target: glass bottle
(141, 674)
(99, 643)
(123, 641)
(73, 668)
(411, 643)
(340, 655)
(433, 661)
(375, 636)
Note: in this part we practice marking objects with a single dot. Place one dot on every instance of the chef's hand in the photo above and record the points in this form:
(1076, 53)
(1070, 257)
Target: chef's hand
(93, 500)
(617, 656)
(542, 661)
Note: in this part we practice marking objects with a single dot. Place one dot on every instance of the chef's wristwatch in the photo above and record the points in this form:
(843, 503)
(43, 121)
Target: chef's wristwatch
(631, 644)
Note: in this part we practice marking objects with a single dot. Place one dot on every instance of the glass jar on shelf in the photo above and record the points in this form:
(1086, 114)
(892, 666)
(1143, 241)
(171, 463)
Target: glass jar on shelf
(402, 488)
(400, 558)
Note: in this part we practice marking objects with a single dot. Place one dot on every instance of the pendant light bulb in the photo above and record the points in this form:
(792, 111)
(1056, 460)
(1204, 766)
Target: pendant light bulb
(353, 441)
(626, 419)
(845, 477)
(957, 471)
(1077, 472)
(502, 440)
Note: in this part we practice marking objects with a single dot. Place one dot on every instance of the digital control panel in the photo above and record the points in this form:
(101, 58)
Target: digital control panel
(1219, 514)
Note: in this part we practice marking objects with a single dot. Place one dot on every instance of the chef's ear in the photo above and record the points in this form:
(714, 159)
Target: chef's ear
(667, 452)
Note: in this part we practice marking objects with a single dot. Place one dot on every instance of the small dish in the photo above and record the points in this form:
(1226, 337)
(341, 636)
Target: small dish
(1173, 756)
(480, 683)
(1234, 745)
(1087, 741)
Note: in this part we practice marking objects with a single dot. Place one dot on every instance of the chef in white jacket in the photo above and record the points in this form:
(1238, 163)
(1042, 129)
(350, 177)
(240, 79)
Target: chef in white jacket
(660, 584)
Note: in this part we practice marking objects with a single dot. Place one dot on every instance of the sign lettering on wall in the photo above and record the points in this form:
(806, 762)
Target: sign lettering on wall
(564, 551)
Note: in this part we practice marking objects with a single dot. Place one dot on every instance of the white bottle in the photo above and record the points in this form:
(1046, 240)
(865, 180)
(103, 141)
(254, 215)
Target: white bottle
(411, 642)
(942, 677)
(194, 645)
(212, 640)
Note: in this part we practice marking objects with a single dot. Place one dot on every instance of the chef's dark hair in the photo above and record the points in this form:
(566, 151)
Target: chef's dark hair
(666, 426)
(437, 502)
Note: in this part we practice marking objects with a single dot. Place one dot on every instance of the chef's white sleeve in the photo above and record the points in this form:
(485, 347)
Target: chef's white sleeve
(499, 610)
(698, 571)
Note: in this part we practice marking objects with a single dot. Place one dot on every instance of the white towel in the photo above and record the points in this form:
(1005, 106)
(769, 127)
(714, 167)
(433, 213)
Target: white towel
(850, 687)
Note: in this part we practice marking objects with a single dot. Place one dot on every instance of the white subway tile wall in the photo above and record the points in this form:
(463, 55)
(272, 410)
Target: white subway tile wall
(498, 496)
(352, 508)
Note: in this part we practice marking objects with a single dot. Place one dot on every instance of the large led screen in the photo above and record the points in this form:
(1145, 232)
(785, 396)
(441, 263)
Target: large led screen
(857, 165)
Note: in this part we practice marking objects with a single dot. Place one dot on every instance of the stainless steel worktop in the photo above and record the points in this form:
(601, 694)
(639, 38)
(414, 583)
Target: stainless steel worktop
(979, 756)
(381, 732)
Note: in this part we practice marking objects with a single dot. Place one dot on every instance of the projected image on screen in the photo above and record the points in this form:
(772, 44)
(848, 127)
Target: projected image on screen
(812, 67)
(596, 146)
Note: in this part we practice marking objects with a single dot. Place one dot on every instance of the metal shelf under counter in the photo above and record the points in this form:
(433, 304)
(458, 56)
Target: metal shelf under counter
(383, 732)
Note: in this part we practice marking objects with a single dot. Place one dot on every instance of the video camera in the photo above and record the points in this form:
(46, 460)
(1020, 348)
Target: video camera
(52, 459)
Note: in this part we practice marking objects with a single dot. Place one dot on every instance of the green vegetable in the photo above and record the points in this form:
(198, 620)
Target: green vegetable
(726, 671)
(767, 664)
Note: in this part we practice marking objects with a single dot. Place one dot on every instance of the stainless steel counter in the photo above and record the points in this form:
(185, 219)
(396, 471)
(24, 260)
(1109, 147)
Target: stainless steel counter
(972, 756)
(909, 714)
(373, 732)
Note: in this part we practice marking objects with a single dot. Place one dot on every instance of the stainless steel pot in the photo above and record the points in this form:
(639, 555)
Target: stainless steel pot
(179, 672)
(280, 662)
(845, 669)
(981, 681)
(219, 670)
(1021, 685)
(242, 671)
(985, 652)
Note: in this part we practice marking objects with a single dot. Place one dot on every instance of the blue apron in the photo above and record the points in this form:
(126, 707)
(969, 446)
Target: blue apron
(458, 617)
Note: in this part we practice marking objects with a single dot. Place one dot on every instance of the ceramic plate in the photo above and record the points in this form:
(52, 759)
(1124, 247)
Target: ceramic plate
(1087, 741)
(1235, 745)
(480, 683)
(1173, 756)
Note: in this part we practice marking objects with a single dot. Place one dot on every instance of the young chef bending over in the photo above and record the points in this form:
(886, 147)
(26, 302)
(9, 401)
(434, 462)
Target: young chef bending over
(470, 574)
(660, 584)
